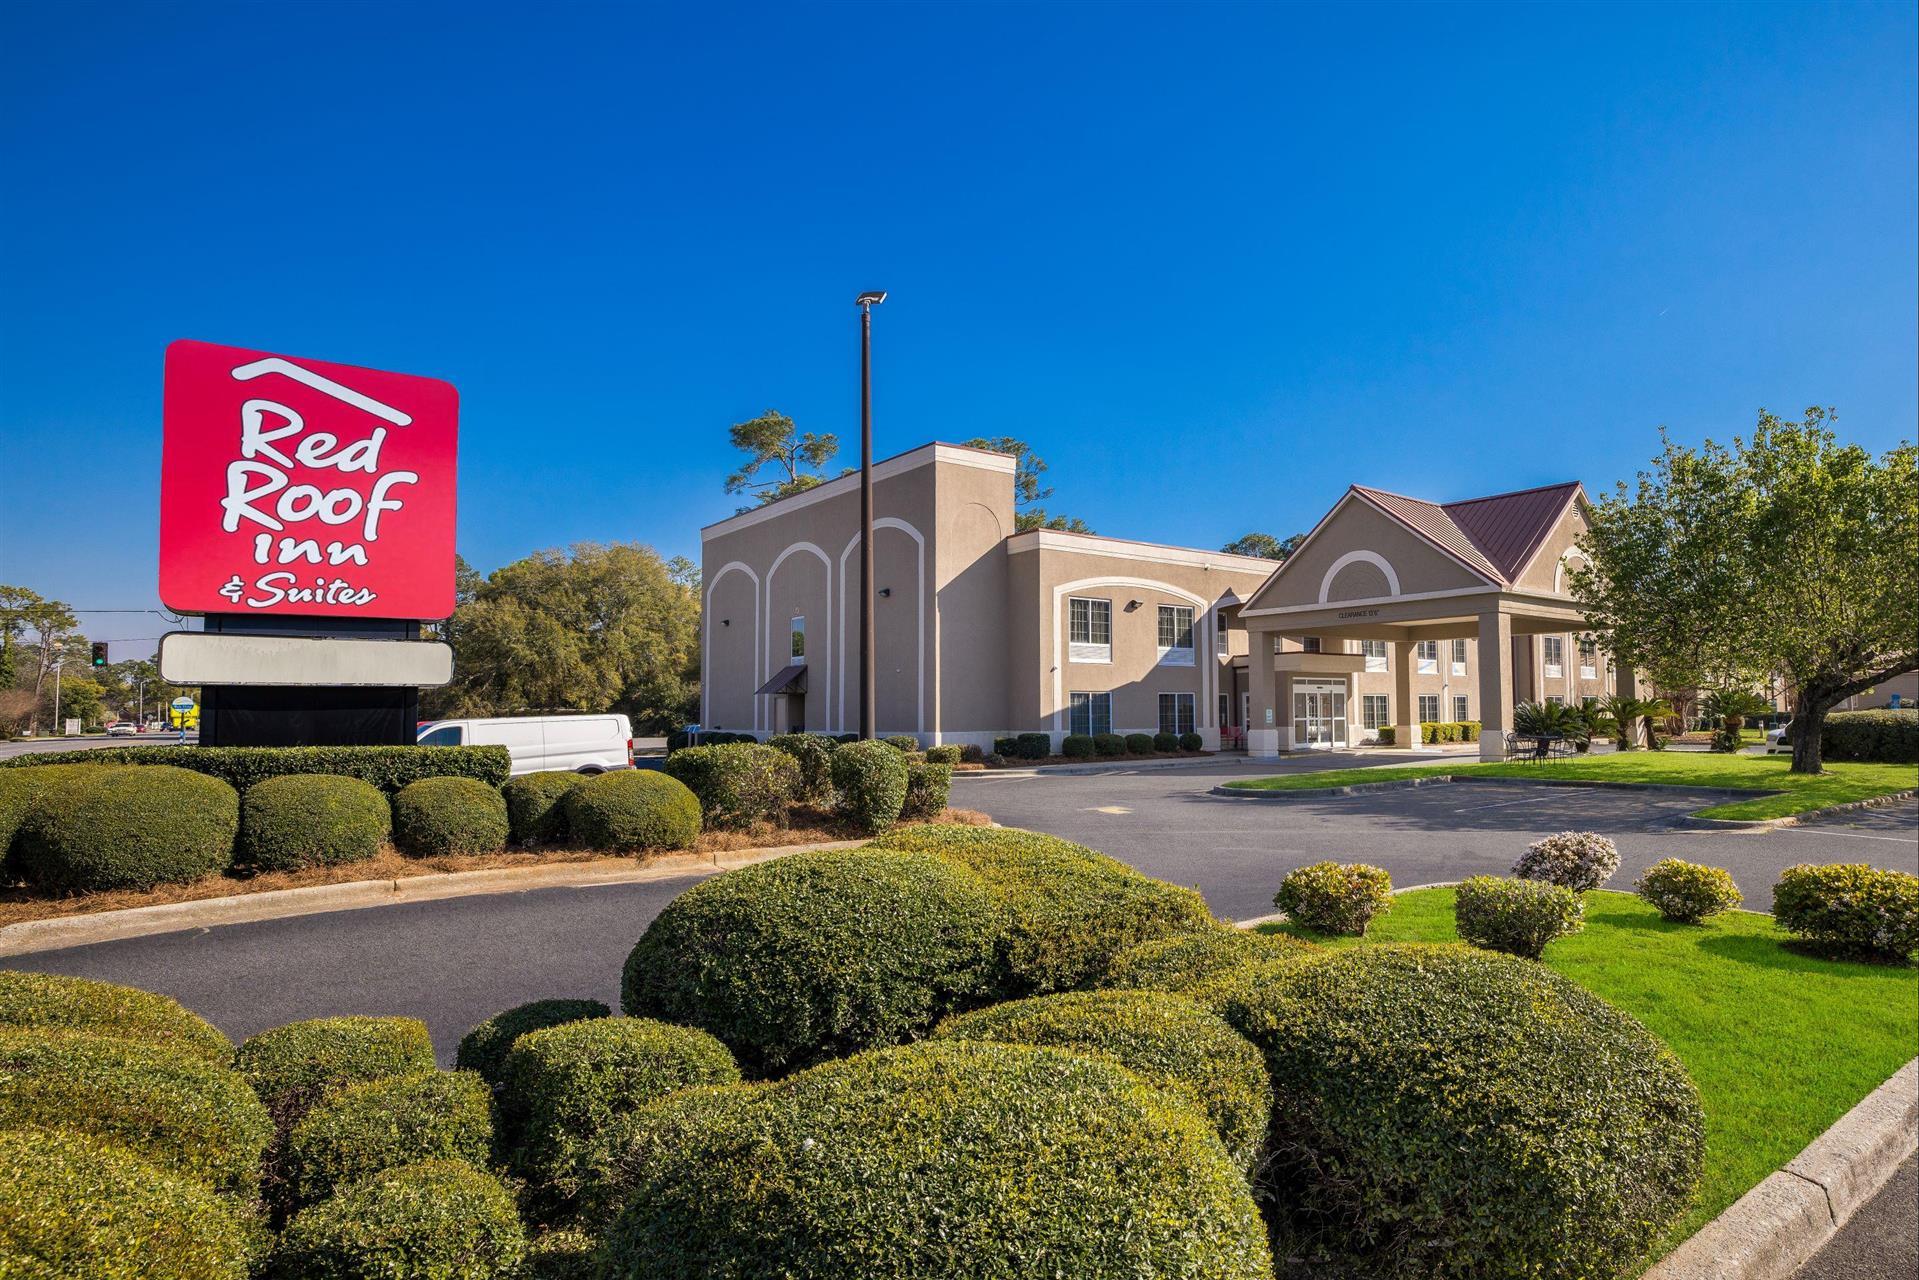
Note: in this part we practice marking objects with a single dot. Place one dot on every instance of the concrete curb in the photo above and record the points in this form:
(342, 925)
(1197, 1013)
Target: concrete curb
(1792, 819)
(242, 908)
(1772, 1230)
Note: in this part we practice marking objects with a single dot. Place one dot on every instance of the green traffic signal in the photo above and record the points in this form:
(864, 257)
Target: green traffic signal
(99, 653)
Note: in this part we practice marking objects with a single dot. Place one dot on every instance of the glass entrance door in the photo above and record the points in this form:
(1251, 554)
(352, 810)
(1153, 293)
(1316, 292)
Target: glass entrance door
(1319, 717)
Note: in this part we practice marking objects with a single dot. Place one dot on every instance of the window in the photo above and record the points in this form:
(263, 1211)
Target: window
(798, 634)
(1588, 658)
(1373, 711)
(1176, 634)
(1459, 657)
(1225, 712)
(1555, 650)
(1375, 651)
(1460, 714)
(1428, 654)
(1089, 629)
(1554, 700)
(1090, 713)
(1309, 644)
(1223, 635)
(1428, 708)
(1176, 713)
(445, 736)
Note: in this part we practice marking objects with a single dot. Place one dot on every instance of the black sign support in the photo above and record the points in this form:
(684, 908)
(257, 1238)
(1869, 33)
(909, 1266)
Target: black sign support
(309, 715)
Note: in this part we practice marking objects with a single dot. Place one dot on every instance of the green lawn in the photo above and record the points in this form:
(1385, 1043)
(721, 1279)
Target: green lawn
(1780, 1044)
(1798, 793)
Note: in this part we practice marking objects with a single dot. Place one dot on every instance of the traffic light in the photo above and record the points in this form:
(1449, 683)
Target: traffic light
(99, 653)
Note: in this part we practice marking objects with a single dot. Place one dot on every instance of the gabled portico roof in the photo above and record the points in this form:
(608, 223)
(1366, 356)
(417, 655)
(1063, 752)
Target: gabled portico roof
(1495, 536)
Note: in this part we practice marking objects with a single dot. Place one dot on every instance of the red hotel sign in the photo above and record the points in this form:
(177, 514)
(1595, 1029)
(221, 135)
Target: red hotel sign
(291, 486)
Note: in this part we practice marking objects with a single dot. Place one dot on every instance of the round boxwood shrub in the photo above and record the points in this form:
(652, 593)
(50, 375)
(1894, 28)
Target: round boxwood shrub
(816, 954)
(1335, 898)
(1518, 917)
(1687, 892)
(950, 753)
(636, 810)
(367, 1128)
(439, 816)
(1077, 746)
(1579, 860)
(870, 780)
(902, 742)
(1183, 962)
(438, 1218)
(73, 1206)
(172, 1110)
(1850, 909)
(535, 809)
(1166, 742)
(1109, 744)
(1164, 1040)
(738, 783)
(20, 787)
(311, 820)
(1191, 742)
(1139, 744)
(49, 1002)
(131, 827)
(938, 1161)
(813, 752)
(569, 1083)
(1033, 746)
(1445, 1112)
(290, 1067)
(1066, 911)
(928, 787)
(484, 1049)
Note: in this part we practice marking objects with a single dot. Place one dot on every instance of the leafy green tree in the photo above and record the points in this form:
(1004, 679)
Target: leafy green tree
(1028, 492)
(594, 628)
(1264, 545)
(1787, 554)
(14, 601)
(52, 625)
(772, 441)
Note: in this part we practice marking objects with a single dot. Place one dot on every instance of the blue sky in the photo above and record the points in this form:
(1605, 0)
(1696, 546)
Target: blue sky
(1215, 262)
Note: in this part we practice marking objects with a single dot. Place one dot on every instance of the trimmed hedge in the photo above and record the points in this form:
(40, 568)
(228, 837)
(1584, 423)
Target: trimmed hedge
(1515, 916)
(568, 1083)
(19, 789)
(127, 828)
(928, 786)
(939, 1161)
(1007, 747)
(183, 1114)
(1066, 911)
(635, 810)
(813, 752)
(290, 1067)
(436, 1220)
(388, 768)
(435, 817)
(950, 753)
(369, 1128)
(535, 806)
(311, 820)
(816, 954)
(1883, 737)
(483, 1050)
(71, 1206)
(1181, 964)
(738, 784)
(1850, 909)
(1335, 898)
(1191, 742)
(49, 1002)
(902, 742)
(1032, 746)
(1077, 746)
(870, 781)
(1687, 892)
(1444, 1112)
(1109, 745)
(1578, 860)
(1170, 1043)
(1168, 742)
(1139, 744)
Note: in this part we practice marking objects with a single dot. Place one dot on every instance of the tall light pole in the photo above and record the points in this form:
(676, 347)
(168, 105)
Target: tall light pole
(56, 697)
(869, 686)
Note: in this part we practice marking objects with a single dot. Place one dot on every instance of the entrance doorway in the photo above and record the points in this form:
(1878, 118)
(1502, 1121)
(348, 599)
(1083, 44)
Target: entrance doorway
(1319, 715)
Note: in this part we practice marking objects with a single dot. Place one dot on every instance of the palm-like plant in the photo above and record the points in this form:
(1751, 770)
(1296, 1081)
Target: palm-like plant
(1628, 712)
(1552, 718)
(1733, 706)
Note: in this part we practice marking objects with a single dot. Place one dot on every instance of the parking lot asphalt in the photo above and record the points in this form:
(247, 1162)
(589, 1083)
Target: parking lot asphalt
(456, 961)
(1880, 1241)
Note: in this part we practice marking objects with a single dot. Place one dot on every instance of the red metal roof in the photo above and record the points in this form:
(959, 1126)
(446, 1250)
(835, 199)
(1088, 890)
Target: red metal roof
(1496, 536)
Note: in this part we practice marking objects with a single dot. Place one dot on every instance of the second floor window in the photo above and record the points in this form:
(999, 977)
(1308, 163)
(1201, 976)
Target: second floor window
(1089, 629)
(1375, 651)
(1176, 634)
(1459, 657)
(797, 633)
(1309, 644)
(1428, 656)
(1555, 651)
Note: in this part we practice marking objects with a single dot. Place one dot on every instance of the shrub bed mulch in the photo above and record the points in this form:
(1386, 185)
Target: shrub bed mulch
(20, 903)
(1780, 1042)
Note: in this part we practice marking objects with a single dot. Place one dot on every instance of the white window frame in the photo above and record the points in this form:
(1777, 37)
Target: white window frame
(1552, 651)
(1462, 709)
(1426, 653)
(1097, 706)
(1426, 700)
(1089, 650)
(1555, 700)
(1175, 655)
(1459, 657)
(1375, 711)
(796, 635)
(1375, 651)
(1588, 658)
(1222, 636)
(1190, 718)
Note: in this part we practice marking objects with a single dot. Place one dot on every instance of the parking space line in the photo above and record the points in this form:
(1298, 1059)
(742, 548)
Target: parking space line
(1858, 835)
(1497, 804)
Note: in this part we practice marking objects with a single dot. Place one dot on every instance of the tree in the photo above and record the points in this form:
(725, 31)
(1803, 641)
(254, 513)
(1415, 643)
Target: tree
(1786, 554)
(1028, 467)
(13, 602)
(52, 623)
(1264, 545)
(772, 439)
(593, 628)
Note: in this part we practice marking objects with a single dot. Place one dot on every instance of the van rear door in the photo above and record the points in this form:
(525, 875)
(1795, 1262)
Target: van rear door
(586, 742)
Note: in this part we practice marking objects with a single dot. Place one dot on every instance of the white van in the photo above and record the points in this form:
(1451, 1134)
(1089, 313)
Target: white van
(583, 744)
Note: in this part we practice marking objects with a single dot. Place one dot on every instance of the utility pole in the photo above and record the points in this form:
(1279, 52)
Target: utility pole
(868, 682)
(56, 697)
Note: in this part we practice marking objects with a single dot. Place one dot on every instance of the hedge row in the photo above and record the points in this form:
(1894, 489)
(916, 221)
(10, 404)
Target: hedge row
(1082, 746)
(388, 768)
(1882, 737)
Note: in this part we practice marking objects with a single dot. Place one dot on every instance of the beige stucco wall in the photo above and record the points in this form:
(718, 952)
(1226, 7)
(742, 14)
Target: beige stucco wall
(1357, 527)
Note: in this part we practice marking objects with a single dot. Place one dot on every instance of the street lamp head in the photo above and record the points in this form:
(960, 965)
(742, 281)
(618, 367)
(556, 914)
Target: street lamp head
(871, 298)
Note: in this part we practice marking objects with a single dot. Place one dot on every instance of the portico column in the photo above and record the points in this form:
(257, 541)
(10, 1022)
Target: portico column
(1626, 685)
(1262, 731)
(1405, 706)
(1495, 683)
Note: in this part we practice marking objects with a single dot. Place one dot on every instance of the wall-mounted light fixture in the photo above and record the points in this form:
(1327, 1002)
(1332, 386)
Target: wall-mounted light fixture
(886, 591)
(726, 622)
(1132, 605)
